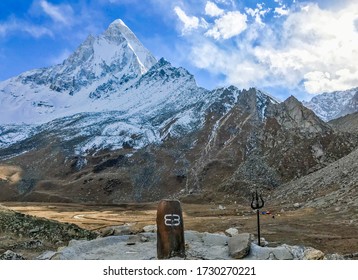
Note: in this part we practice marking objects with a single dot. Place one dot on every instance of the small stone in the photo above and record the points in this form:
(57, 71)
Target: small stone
(263, 242)
(46, 255)
(144, 239)
(150, 228)
(313, 254)
(333, 257)
(107, 232)
(34, 230)
(232, 231)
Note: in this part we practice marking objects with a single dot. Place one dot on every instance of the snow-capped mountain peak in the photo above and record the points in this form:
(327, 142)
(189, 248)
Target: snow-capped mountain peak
(118, 29)
(101, 67)
(332, 105)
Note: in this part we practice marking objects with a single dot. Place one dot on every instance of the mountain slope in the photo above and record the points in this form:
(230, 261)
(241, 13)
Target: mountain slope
(244, 139)
(348, 123)
(334, 185)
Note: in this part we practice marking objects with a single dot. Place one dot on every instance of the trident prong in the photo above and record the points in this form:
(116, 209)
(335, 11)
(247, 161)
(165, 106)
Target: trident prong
(256, 204)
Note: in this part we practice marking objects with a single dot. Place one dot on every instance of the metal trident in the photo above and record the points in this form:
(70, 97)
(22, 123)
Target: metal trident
(256, 204)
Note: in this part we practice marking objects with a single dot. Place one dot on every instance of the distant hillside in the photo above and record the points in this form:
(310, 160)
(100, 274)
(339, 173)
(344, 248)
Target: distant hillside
(348, 123)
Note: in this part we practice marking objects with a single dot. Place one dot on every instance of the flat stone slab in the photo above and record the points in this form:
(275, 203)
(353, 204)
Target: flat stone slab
(203, 246)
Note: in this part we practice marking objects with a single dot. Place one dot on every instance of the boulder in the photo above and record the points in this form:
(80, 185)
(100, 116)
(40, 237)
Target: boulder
(214, 239)
(313, 254)
(150, 228)
(232, 231)
(116, 230)
(269, 253)
(206, 246)
(10, 255)
(239, 245)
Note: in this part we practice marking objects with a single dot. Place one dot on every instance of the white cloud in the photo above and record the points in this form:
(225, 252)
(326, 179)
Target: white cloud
(14, 25)
(188, 21)
(258, 13)
(281, 11)
(227, 26)
(212, 10)
(62, 14)
(311, 49)
(317, 82)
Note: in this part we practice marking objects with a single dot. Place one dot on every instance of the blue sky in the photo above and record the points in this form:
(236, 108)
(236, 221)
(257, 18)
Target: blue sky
(281, 46)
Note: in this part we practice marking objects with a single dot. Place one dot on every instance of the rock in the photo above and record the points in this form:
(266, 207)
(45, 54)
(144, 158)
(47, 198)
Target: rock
(150, 228)
(296, 251)
(202, 246)
(313, 254)
(116, 230)
(192, 236)
(34, 230)
(352, 256)
(333, 257)
(263, 242)
(269, 253)
(10, 255)
(143, 238)
(107, 232)
(296, 205)
(214, 239)
(46, 255)
(239, 245)
(206, 246)
(109, 248)
(232, 231)
(32, 244)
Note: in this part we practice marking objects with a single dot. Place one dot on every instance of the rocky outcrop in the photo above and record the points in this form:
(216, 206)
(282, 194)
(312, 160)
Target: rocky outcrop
(291, 115)
(10, 255)
(29, 234)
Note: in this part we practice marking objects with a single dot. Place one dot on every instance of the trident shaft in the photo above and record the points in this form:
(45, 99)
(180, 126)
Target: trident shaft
(257, 203)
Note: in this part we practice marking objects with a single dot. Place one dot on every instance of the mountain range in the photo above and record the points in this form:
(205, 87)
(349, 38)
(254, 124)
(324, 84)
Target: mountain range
(112, 124)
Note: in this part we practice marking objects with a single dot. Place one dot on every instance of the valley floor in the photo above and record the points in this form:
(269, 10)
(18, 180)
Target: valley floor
(329, 231)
